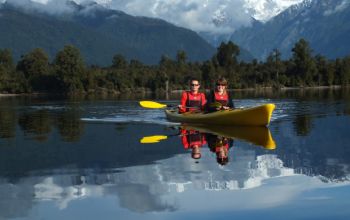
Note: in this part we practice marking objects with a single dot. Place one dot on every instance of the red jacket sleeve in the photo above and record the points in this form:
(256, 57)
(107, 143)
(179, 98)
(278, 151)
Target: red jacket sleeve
(182, 109)
(204, 101)
(204, 140)
(184, 138)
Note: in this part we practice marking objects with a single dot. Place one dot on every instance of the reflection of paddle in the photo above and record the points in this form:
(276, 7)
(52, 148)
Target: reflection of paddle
(253, 134)
(153, 139)
(157, 138)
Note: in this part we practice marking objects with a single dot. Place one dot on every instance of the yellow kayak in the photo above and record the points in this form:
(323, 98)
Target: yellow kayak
(255, 116)
(256, 135)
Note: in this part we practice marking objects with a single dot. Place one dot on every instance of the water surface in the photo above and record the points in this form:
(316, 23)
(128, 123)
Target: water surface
(82, 159)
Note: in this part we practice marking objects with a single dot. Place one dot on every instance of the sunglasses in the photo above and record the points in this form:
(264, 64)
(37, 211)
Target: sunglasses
(218, 84)
(194, 84)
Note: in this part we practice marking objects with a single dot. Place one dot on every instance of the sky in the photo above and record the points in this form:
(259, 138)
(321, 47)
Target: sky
(214, 16)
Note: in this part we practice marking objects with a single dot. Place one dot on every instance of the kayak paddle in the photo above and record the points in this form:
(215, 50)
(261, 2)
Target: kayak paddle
(151, 104)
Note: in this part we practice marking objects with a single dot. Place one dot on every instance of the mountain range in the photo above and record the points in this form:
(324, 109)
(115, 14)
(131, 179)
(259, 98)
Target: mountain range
(99, 33)
(324, 24)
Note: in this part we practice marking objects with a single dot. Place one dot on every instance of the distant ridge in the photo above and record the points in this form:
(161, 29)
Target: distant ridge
(99, 33)
(325, 24)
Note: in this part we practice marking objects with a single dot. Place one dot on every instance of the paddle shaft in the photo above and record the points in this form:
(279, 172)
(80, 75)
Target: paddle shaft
(187, 107)
(152, 104)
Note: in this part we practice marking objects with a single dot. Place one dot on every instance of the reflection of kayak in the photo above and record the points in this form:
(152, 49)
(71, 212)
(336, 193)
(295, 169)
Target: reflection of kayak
(256, 116)
(257, 135)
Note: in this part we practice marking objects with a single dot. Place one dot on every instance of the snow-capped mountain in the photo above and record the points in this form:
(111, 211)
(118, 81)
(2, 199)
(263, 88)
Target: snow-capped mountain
(264, 10)
(255, 10)
(219, 18)
(201, 16)
(324, 24)
(97, 31)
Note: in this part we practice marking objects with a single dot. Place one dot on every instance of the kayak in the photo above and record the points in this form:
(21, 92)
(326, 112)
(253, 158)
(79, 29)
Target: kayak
(257, 135)
(255, 116)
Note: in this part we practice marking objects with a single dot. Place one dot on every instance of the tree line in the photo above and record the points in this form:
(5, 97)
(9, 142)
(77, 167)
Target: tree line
(67, 73)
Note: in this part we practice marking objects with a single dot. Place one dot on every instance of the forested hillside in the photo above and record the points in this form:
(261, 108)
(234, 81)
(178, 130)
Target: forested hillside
(69, 74)
(99, 35)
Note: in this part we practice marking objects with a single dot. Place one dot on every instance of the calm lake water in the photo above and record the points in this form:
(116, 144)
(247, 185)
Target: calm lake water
(83, 159)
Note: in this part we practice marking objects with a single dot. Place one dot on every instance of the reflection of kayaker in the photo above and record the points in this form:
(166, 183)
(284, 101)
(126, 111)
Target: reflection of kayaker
(220, 146)
(193, 140)
(256, 135)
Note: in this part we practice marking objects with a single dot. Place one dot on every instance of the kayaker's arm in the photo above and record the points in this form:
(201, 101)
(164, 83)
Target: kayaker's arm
(182, 106)
(231, 105)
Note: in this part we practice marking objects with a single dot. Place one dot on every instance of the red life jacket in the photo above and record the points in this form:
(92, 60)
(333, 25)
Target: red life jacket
(223, 99)
(196, 101)
(191, 138)
(224, 143)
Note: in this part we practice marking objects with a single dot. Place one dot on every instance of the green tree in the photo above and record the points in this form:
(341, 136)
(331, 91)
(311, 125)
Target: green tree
(135, 64)
(10, 80)
(165, 62)
(322, 71)
(35, 67)
(6, 59)
(344, 72)
(208, 74)
(181, 57)
(119, 62)
(70, 69)
(227, 54)
(6, 67)
(330, 74)
(304, 63)
(275, 64)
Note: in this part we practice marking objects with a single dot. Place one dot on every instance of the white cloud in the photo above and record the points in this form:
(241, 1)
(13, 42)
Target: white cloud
(197, 15)
(40, 1)
(49, 6)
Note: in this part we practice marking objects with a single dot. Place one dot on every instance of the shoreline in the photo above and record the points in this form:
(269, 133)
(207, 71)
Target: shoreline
(271, 88)
(6, 95)
(179, 91)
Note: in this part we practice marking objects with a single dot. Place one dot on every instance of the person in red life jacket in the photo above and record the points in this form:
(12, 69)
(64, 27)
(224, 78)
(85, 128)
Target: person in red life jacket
(193, 140)
(219, 99)
(220, 146)
(192, 100)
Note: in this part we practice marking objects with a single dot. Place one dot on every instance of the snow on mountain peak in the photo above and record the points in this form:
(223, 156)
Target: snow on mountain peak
(217, 17)
(264, 10)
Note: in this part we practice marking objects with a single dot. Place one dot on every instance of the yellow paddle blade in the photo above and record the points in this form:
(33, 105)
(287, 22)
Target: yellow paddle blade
(153, 139)
(151, 104)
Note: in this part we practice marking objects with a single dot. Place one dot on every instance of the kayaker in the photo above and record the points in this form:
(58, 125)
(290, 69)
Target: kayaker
(192, 100)
(220, 146)
(219, 99)
(193, 140)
